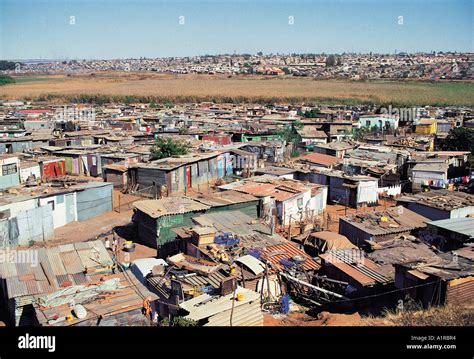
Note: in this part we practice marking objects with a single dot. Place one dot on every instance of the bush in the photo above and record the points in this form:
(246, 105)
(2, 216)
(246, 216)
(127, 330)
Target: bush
(4, 79)
(168, 147)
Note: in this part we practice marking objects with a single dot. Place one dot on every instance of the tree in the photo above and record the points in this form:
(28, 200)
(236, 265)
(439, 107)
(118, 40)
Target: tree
(310, 113)
(290, 134)
(168, 147)
(330, 61)
(7, 65)
(459, 139)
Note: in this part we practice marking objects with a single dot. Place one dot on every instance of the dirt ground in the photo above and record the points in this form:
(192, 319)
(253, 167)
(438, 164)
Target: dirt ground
(324, 319)
(92, 228)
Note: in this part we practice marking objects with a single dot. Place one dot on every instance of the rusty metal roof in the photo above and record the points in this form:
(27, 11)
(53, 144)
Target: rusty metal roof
(319, 159)
(55, 266)
(357, 266)
(390, 221)
(287, 250)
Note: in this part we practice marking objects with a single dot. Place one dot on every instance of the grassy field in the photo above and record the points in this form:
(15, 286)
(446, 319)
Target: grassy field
(180, 88)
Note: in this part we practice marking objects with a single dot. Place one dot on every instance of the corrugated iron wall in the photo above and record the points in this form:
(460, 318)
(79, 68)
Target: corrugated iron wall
(249, 314)
(460, 291)
(94, 201)
(31, 225)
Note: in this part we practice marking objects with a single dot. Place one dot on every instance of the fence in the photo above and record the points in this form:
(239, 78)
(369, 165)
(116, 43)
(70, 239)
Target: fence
(125, 201)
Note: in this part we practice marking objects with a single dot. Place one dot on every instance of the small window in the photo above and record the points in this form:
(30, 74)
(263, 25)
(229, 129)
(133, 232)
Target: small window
(52, 204)
(300, 203)
(9, 169)
(60, 199)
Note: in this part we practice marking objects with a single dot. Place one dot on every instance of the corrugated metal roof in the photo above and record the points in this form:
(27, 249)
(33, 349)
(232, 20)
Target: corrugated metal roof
(205, 306)
(55, 261)
(82, 245)
(356, 265)
(16, 288)
(398, 219)
(72, 262)
(89, 258)
(224, 198)
(252, 263)
(214, 279)
(169, 206)
(287, 250)
(319, 159)
(66, 247)
(52, 270)
(226, 221)
(463, 226)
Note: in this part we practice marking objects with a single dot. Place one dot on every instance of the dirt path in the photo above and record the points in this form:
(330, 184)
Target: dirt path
(324, 319)
(92, 228)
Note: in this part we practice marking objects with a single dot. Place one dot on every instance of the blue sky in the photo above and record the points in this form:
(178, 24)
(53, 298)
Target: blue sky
(106, 29)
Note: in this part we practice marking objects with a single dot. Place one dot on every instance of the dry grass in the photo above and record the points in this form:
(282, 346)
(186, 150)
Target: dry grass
(449, 315)
(240, 88)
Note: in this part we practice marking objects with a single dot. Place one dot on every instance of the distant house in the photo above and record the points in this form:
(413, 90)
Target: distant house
(429, 175)
(18, 144)
(363, 228)
(426, 127)
(319, 160)
(268, 151)
(38, 124)
(219, 138)
(9, 171)
(29, 169)
(177, 174)
(439, 204)
(351, 190)
(337, 149)
(380, 122)
(293, 200)
(312, 134)
(443, 128)
(282, 172)
(52, 167)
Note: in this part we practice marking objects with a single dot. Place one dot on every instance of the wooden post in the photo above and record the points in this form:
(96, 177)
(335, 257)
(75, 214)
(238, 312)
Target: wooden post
(289, 230)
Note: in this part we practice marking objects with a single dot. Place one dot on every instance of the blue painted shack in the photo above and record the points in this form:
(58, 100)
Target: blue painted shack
(94, 199)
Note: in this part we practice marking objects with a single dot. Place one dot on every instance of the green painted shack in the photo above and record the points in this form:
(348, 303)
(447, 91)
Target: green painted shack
(156, 219)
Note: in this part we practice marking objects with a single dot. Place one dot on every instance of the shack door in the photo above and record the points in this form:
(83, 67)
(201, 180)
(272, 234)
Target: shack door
(188, 177)
(70, 205)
